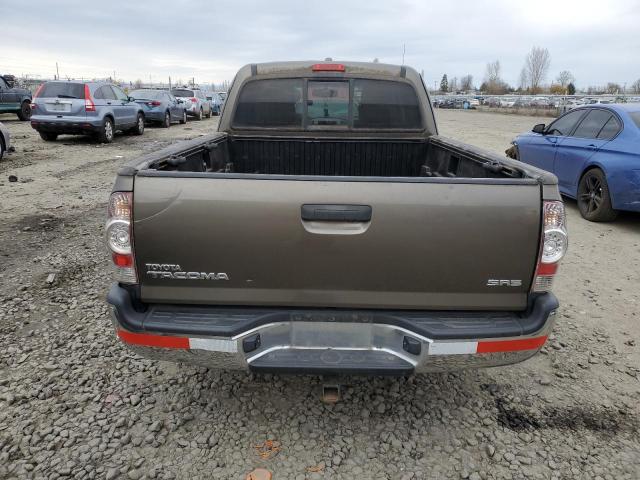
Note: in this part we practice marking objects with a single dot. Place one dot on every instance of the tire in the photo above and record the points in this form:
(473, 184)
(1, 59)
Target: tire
(107, 131)
(2, 147)
(25, 111)
(139, 128)
(183, 120)
(48, 137)
(594, 200)
(199, 117)
(209, 114)
(166, 123)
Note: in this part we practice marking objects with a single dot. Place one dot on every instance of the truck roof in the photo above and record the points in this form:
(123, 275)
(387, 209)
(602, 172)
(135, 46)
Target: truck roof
(333, 69)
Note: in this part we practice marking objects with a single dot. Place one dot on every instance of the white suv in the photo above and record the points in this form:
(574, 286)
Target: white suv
(195, 102)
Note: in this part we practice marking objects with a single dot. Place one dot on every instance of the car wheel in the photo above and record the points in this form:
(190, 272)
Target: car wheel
(183, 120)
(48, 137)
(2, 147)
(594, 200)
(167, 120)
(106, 132)
(199, 117)
(209, 114)
(139, 128)
(25, 111)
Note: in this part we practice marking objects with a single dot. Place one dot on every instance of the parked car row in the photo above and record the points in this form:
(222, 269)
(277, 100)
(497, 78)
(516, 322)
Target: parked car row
(101, 109)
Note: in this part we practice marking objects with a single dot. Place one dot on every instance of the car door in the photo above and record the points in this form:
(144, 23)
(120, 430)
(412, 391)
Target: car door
(127, 111)
(6, 103)
(176, 112)
(540, 149)
(595, 129)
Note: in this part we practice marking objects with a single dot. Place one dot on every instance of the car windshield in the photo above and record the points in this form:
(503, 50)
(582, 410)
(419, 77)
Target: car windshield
(179, 92)
(62, 90)
(635, 116)
(145, 94)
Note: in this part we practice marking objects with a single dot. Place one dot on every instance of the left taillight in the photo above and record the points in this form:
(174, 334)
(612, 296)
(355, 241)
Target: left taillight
(89, 106)
(119, 236)
(553, 245)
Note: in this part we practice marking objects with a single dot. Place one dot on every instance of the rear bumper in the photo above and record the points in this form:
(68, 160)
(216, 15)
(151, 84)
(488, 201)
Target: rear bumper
(69, 124)
(327, 341)
(155, 115)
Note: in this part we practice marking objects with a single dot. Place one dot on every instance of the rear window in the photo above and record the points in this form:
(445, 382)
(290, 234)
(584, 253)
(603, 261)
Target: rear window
(635, 116)
(270, 103)
(62, 90)
(146, 94)
(385, 105)
(179, 92)
(328, 104)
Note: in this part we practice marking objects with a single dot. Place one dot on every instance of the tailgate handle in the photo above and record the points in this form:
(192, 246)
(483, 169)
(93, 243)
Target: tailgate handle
(336, 213)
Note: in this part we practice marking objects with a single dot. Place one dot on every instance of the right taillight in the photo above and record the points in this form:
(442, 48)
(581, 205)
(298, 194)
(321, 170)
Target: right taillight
(554, 243)
(119, 236)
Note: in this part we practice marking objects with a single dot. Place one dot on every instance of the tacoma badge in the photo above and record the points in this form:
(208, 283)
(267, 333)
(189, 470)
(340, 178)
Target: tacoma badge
(174, 272)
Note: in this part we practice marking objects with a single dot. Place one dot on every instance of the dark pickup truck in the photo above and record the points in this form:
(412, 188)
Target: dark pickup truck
(326, 228)
(14, 99)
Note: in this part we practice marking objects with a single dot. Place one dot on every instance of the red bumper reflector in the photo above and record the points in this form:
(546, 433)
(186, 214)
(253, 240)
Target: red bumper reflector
(153, 340)
(328, 67)
(511, 345)
(547, 268)
(122, 260)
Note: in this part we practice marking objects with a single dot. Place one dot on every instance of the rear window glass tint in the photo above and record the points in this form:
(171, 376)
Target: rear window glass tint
(270, 103)
(610, 129)
(381, 104)
(146, 94)
(62, 90)
(182, 93)
(591, 125)
(328, 103)
(635, 116)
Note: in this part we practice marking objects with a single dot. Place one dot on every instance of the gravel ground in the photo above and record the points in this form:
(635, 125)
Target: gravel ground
(75, 403)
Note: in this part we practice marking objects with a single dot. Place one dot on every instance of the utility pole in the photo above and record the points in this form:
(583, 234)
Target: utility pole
(57, 72)
(169, 82)
(404, 49)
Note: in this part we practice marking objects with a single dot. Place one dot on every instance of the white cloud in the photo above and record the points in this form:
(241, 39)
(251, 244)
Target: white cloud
(597, 42)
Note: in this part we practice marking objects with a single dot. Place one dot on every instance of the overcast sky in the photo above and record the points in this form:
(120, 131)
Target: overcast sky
(597, 41)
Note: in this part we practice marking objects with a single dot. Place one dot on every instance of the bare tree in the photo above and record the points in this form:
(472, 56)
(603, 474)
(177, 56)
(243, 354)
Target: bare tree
(493, 84)
(635, 86)
(453, 85)
(493, 72)
(523, 83)
(565, 78)
(137, 84)
(466, 83)
(613, 87)
(537, 65)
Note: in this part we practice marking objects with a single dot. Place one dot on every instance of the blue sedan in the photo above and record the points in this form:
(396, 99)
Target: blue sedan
(595, 153)
(160, 106)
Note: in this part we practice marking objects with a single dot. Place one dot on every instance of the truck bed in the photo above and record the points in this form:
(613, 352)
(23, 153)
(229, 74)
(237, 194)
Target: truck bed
(433, 157)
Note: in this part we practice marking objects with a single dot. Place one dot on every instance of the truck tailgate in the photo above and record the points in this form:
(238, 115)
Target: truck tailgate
(395, 244)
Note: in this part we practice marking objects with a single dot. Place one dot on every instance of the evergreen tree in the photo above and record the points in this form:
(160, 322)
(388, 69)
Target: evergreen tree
(444, 84)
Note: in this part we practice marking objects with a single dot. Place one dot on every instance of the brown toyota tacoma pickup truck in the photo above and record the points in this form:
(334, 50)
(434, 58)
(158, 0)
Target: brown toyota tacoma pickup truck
(327, 228)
